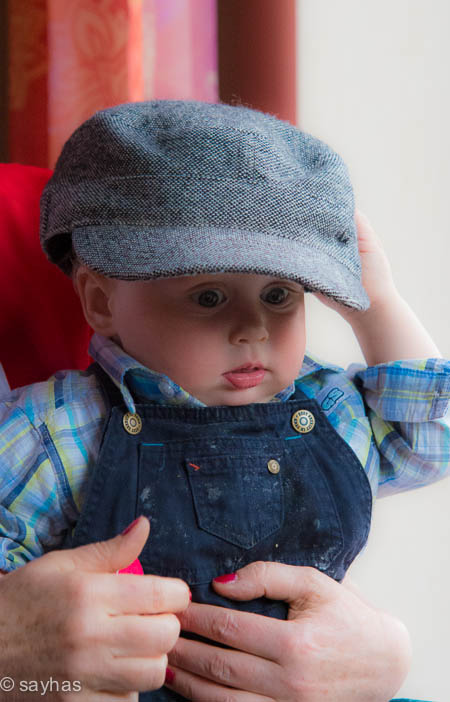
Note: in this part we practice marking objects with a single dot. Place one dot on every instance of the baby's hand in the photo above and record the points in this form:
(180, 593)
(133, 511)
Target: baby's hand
(389, 330)
(376, 271)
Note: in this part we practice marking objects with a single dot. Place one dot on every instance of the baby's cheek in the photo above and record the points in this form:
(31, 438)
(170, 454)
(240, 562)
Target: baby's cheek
(196, 368)
(201, 353)
(291, 362)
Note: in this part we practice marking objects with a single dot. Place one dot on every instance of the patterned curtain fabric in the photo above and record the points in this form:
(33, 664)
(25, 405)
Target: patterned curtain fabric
(69, 58)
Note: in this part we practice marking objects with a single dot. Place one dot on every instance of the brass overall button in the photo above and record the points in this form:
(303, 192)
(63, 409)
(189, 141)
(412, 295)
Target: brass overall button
(303, 421)
(132, 423)
(273, 466)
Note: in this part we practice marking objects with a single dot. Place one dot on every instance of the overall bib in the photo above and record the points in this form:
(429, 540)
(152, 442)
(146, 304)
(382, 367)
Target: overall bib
(226, 486)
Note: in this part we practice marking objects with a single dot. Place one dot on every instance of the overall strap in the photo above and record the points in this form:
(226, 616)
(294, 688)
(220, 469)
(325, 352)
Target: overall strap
(111, 393)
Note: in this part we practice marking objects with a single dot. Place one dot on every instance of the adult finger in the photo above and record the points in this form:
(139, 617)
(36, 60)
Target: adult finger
(236, 669)
(300, 586)
(139, 674)
(148, 594)
(252, 633)
(105, 556)
(193, 687)
(93, 696)
(141, 636)
(144, 594)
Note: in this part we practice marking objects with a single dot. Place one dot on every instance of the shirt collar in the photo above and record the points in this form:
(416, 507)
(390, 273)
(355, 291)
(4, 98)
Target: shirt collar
(312, 364)
(135, 380)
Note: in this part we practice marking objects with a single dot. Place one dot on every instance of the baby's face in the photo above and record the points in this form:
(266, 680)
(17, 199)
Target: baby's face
(228, 339)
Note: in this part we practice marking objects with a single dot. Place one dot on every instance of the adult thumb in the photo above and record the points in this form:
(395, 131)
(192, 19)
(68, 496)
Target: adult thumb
(299, 586)
(114, 554)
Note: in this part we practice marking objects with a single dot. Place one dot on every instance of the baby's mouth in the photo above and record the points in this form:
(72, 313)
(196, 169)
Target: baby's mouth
(246, 376)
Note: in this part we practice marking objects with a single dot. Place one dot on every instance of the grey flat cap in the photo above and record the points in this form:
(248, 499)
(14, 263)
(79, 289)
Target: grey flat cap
(171, 187)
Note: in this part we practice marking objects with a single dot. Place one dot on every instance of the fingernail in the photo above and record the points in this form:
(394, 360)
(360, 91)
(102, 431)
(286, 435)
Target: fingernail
(170, 676)
(225, 578)
(130, 526)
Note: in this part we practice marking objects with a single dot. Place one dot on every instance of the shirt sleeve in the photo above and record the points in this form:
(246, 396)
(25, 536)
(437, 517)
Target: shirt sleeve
(32, 518)
(408, 408)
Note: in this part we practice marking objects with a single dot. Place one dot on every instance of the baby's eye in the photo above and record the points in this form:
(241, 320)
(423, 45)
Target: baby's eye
(276, 296)
(209, 298)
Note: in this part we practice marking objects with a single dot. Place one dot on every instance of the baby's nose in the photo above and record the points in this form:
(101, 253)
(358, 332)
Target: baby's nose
(249, 331)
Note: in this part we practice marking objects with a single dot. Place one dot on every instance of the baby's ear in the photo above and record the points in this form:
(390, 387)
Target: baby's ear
(94, 291)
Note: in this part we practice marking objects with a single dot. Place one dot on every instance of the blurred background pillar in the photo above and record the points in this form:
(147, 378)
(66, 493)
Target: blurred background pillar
(257, 55)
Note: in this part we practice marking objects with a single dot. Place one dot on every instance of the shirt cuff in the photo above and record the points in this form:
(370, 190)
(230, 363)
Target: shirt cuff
(406, 391)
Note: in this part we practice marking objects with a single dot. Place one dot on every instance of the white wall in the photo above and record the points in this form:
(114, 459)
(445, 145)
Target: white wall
(374, 83)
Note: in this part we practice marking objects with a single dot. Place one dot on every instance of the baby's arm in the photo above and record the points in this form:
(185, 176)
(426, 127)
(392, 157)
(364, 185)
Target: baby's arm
(389, 330)
(406, 387)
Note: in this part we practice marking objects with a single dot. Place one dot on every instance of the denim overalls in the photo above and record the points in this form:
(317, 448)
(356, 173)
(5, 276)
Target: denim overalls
(225, 486)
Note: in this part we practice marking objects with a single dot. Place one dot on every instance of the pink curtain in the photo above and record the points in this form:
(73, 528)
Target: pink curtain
(70, 58)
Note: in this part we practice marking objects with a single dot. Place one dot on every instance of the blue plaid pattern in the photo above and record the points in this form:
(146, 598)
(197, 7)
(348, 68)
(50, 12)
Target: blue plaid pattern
(394, 416)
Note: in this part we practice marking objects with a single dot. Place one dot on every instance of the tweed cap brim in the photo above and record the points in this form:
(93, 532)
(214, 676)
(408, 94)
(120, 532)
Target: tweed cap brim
(170, 187)
(156, 253)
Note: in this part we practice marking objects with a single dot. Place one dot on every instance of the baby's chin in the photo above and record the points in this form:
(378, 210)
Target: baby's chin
(222, 392)
(236, 398)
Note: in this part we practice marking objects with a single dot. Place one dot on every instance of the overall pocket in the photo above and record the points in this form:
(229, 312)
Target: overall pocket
(236, 496)
(216, 504)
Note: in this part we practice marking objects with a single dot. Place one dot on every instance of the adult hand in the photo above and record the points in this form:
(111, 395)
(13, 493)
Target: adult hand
(333, 646)
(68, 617)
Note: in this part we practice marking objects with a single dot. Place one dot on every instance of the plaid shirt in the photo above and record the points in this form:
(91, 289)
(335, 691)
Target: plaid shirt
(394, 416)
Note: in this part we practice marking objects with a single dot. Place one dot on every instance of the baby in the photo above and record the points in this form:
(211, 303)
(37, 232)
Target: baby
(192, 232)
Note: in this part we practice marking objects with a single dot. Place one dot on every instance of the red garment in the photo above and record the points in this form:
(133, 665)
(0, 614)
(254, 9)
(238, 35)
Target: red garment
(42, 327)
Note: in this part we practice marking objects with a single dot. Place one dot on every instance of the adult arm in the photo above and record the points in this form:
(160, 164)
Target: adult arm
(333, 646)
